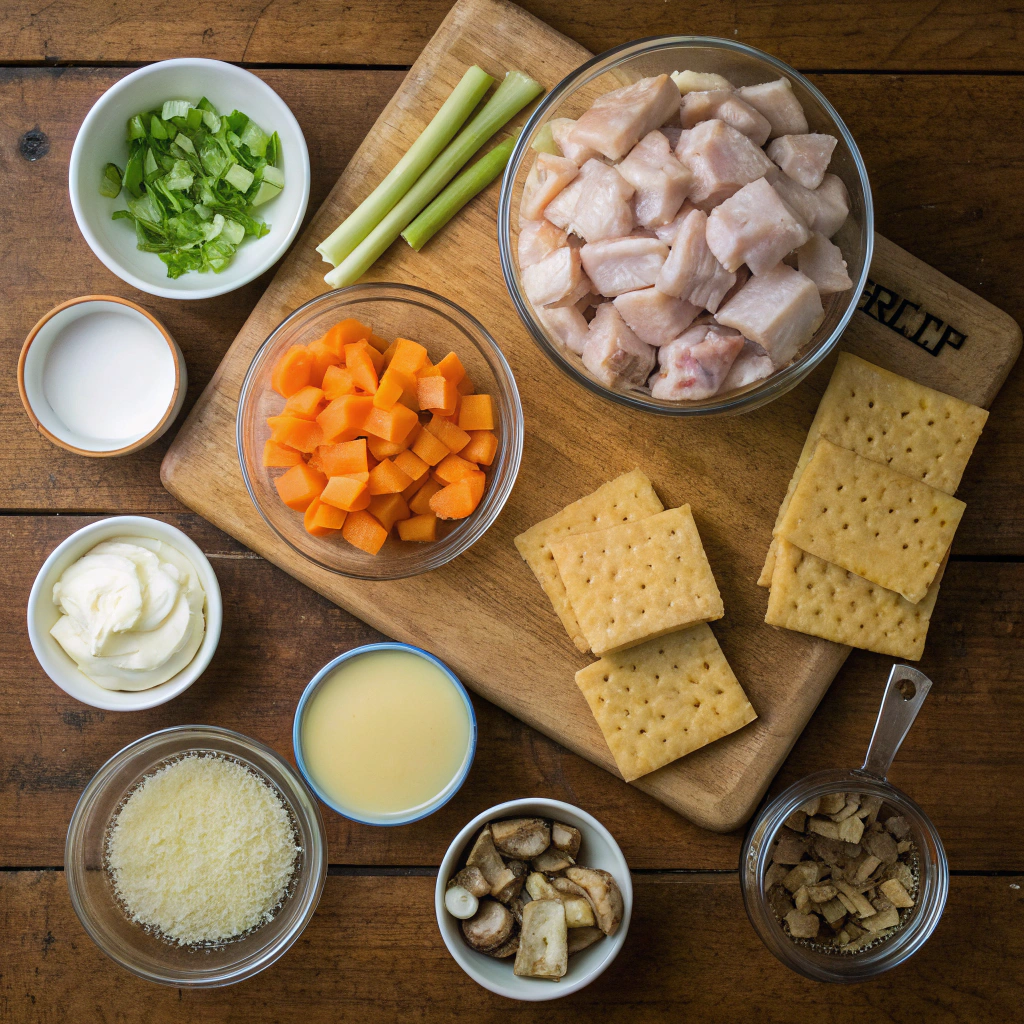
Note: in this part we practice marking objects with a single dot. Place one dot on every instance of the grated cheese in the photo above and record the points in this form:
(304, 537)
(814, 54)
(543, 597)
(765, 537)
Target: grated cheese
(202, 851)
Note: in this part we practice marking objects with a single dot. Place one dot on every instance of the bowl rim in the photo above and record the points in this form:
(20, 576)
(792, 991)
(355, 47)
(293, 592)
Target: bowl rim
(49, 653)
(207, 291)
(547, 807)
(515, 415)
(779, 382)
(318, 856)
(454, 784)
(135, 446)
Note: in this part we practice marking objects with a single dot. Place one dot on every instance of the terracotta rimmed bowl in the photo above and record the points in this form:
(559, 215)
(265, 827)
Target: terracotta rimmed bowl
(37, 393)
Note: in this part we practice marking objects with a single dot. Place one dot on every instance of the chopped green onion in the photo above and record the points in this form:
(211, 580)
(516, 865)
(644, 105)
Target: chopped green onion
(441, 130)
(509, 98)
(238, 176)
(110, 183)
(545, 141)
(175, 108)
(472, 181)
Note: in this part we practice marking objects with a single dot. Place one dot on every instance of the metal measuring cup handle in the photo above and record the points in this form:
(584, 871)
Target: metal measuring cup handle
(904, 694)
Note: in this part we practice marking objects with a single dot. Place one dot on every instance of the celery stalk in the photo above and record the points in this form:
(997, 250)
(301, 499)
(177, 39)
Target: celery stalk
(441, 130)
(509, 98)
(472, 181)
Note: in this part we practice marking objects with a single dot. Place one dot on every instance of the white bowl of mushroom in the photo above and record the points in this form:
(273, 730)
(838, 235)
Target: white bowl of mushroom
(532, 892)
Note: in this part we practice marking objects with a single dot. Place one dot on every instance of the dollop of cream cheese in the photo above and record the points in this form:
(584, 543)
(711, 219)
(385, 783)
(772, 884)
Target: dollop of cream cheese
(133, 613)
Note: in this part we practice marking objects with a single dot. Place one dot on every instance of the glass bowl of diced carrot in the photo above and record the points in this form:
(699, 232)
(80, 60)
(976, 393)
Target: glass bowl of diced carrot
(379, 431)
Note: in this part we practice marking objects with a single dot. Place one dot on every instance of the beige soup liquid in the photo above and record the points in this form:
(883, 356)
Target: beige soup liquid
(385, 733)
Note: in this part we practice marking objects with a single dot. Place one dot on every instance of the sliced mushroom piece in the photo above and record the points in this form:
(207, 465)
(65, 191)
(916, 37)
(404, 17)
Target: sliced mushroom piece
(566, 838)
(552, 861)
(485, 857)
(543, 941)
(522, 838)
(506, 949)
(489, 927)
(519, 870)
(472, 880)
(583, 938)
(579, 911)
(604, 895)
(516, 905)
(540, 888)
(460, 903)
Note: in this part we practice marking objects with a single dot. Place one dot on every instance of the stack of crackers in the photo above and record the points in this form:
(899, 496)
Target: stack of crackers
(631, 582)
(864, 531)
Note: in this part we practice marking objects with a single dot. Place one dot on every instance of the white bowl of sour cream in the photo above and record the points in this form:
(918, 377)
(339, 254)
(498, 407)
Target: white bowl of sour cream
(125, 614)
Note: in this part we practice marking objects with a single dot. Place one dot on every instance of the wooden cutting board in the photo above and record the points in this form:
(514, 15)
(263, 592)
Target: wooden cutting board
(484, 614)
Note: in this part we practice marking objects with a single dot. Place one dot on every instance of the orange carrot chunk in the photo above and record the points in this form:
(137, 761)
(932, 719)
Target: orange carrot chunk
(299, 486)
(381, 449)
(359, 364)
(361, 530)
(436, 393)
(322, 357)
(337, 382)
(377, 358)
(394, 424)
(451, 368)
(419, 528)
(387, 478)
(388, 392)
(309, 520)
(476, 413)
(302, 435)
(411, 490)
(460, 499)
(430, 448)
(346, 492)
(453, 467)
(305, 403)
(380, 344)
(409, 357)
(280, 456)
(291, 373)
(388, 509)
(344, 414)
(314, 461)
(420, 501)
(412, 464)
(346, 457)
(453, 437)
(327, 516)
(482, 447)
(347, 332)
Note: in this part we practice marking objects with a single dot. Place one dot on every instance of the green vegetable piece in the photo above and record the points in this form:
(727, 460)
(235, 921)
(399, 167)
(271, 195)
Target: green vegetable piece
(232, 231)
(179, 177)
(157, 128)
(194, 117)
(149, 165)
(110, 183)
(238, 176)
(133, 175)
(212, 121)
(273, 149)
(237, 120)
(146, 208)
(273, 176)
(265, 193)
(255, 139)
(185, 143)
(545, 142)
(205, 104)
(136, 129)
(175, 108)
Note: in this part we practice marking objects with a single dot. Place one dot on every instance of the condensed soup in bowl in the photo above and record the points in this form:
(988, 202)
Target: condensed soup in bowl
(385, 734)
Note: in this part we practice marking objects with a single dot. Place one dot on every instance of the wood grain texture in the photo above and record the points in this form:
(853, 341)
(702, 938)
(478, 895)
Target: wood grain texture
(732, 471)
(373, 953)
(870, 34)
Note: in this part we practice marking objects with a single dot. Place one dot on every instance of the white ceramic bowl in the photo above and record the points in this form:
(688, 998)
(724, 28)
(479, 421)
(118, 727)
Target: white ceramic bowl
(598, 850)
(43, 613)
(101, 140)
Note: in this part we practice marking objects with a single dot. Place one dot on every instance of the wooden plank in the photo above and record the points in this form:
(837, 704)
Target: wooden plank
(871, 34)
(373, 953)
(52, 744)
(734, 472)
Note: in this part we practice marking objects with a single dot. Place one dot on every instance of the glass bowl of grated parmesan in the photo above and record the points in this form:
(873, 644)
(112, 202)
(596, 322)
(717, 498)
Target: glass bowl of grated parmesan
(195, 857)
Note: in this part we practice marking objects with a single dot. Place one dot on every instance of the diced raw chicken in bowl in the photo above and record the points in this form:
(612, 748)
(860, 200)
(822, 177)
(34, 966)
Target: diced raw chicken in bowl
(681, 238)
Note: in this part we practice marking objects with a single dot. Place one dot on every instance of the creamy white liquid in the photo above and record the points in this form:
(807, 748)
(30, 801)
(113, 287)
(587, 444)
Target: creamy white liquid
(109, 376)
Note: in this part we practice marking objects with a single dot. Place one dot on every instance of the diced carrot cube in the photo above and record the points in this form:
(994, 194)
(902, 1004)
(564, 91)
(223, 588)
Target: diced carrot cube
(410, 357)
(309, 519)
(377, 358)
(380, 344)
(389, 353)
(305, 403)
(348, 493)
(346, 457)
(381, 449)
(436, 393)
(392, 424)
(291, 373)
(388, 392)
(327, 516)
(405, 381)
(460, 499)
(411, 490)
(302, 435)
(387, 509)
(451, 368)
(454, 438)
(419, 528)
(465, 386)
(314, 461)
(453, 467)
(359, 364)
(477, 413)
(337, 382)
(299, 486)
(411, 464)
(322, 358)
(420, 502)
(430, 448)
(361, 530)
(482, 447)
(280, 456)
(387, 478)
(347, 332)
(347, 413)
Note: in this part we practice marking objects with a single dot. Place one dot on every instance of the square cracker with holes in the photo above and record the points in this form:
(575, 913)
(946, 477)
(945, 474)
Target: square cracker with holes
(663, 699)
(810, 595)
(886, 418)
(866, 518)
(626, 498)
(639, 580)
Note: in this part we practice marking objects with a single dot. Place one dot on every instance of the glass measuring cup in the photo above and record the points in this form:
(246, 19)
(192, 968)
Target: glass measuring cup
(904, 694)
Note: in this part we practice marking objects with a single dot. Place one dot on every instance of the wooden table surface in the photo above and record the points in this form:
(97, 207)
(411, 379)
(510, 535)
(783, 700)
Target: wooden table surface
(933, 93)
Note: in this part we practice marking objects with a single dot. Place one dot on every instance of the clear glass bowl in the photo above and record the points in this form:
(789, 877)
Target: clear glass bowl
(157, 959)
(392, 310)
(743, 65)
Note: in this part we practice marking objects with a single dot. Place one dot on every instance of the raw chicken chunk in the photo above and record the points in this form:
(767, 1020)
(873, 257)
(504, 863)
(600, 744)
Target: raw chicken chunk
(722, 159)
(602, 208)
(568, 326)
(613, 353)
(725, 105)
(580, 292)
(555, 277)
(691, 271)
(548, 176)
(699, 81)
(823, 263)
(561, 210)
(672, 133)
(754, 227)
(752, 364)
(537, 239)
(780, 310)
(778, 103)
(742, 276)
(693, 367)
(561, 128)
(653, 316)
(804, 158)
(618, 120)
(617, 265)
(667, 232)
(660, 180)
(824, 209)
